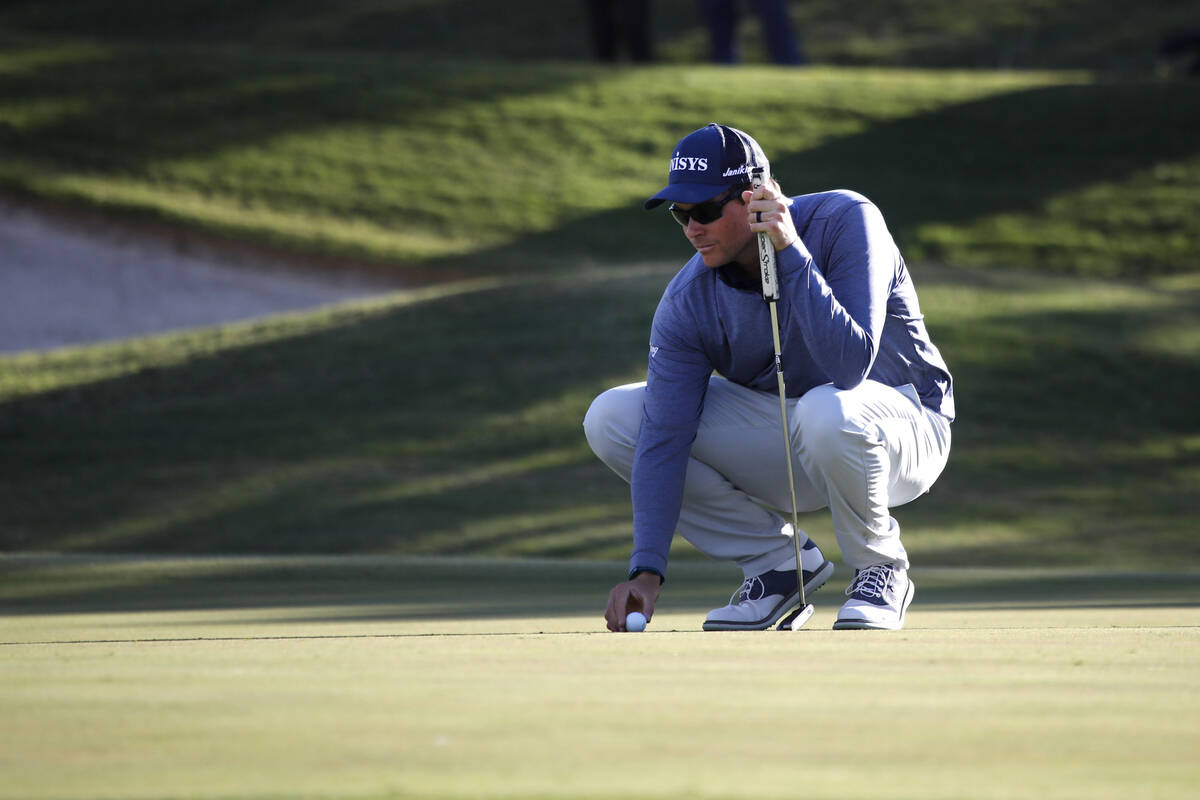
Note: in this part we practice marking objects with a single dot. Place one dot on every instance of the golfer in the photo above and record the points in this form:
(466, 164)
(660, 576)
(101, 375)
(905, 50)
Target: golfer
(870, 399)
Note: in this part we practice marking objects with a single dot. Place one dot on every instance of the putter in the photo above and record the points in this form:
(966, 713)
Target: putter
(770, 288)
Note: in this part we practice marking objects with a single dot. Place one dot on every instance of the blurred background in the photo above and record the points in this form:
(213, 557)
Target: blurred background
(472, 171)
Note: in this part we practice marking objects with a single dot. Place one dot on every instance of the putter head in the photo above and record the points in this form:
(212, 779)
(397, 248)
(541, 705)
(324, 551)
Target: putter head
(795, 620)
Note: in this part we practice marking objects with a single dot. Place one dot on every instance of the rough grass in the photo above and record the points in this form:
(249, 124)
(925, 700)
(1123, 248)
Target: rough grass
(448, 421)
(503, 167)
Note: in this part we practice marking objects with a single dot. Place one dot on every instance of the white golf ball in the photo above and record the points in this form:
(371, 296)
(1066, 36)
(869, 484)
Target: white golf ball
(635, 622)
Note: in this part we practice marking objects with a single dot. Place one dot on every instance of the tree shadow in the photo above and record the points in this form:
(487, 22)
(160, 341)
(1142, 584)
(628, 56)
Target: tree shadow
(450, 28)
(1008, 153)
(1091, 35)
(127, 111)
(124, 109)
(454, 426)
(298, 444)
(363, 436)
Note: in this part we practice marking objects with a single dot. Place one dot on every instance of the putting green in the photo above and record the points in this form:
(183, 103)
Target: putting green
(337, 678)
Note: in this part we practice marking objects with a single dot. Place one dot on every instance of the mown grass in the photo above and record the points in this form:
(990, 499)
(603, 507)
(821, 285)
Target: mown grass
(446, 420)
(505, 167)
(449, 422)
(364, 678)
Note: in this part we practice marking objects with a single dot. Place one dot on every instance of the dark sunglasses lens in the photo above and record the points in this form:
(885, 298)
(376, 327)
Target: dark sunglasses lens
(703, 213)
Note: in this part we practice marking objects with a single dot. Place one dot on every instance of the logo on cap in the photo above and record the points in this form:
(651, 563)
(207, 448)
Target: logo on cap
(687, 164)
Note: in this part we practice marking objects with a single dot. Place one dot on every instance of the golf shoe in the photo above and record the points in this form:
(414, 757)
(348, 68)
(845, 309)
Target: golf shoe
(879, 596)
(762, 599)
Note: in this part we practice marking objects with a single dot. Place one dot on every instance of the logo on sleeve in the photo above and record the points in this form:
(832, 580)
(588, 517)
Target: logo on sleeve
(653, 351)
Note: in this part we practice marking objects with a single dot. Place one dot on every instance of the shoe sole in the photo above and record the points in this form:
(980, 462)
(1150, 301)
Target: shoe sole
(863, 625)
(823, 573)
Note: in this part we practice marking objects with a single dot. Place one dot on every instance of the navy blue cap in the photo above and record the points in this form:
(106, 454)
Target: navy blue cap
(708, 161)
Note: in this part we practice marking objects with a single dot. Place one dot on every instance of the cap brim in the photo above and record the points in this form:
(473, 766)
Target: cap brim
(685, 193)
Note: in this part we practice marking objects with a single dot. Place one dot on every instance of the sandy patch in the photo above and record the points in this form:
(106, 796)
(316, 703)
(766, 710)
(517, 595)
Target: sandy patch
(65, 282)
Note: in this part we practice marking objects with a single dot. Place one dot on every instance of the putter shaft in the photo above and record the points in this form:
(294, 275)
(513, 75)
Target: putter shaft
(770, 289)
(787, 446)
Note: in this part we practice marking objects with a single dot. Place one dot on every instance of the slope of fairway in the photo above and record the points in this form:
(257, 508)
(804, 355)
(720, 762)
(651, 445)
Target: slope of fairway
(511, 167)
(363, 678)
(447, 420)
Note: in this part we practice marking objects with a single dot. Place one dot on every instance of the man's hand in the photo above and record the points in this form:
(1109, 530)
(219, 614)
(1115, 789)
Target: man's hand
(638, 594)
(768, 213)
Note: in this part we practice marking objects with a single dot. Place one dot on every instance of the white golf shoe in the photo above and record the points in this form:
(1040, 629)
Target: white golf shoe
(879, 596)
(762, 599)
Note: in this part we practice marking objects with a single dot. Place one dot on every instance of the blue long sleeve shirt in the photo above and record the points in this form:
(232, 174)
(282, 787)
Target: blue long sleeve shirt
(848, 311)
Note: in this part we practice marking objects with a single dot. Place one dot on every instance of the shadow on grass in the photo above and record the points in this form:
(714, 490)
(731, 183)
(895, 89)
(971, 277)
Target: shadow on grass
(1011, 154)
(464, 28)
(453, 426)
(123, 110)
(1025, 35)
(362, 589)
(124, 113)
(1071, 434)
(405, 429)
(1007, 154)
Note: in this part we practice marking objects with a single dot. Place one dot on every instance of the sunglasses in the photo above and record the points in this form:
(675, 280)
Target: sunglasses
(706, 212)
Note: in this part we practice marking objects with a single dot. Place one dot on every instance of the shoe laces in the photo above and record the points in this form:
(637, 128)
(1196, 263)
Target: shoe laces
(746, 591)
(871, 582)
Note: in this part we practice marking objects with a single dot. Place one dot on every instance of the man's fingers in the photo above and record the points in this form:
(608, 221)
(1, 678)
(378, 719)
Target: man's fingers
(621, 601)
(773, 207)
(612, 617)
(638, 594)
(636, 603)
(772, 216)
(640, 600)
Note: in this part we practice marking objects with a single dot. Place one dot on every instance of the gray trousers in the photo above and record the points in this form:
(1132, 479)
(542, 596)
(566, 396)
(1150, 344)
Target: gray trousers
(858, 452)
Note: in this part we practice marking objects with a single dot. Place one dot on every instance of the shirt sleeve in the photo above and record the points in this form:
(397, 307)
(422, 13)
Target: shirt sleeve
(676, 383)
(840, 309)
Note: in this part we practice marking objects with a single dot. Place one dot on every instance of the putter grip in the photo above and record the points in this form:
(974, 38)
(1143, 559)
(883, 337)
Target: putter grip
(766, 251)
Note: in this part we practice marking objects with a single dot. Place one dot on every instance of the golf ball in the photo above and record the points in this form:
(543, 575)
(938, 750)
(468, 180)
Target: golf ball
(635, 622)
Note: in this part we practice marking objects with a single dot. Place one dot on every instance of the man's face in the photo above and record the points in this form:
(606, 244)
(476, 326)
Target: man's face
(725, 239)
